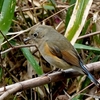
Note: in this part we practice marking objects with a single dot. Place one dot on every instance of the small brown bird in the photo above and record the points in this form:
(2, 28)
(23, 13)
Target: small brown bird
(58, 51)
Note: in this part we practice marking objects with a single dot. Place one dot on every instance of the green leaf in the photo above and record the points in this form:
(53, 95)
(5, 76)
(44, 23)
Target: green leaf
(77, 19)
(15, 97)
(81, 46)
(48, 7)
(84, 30)
(79, 15)
(69, 13)
(6, 15)
(52, 1)
(1, 4)
(96, 38)
(32, 61)
(0, 73)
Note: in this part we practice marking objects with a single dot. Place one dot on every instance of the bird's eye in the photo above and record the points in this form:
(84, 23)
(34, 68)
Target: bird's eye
(35, 34)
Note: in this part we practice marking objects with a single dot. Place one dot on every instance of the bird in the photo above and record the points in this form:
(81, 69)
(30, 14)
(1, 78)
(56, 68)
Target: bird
(58, 51)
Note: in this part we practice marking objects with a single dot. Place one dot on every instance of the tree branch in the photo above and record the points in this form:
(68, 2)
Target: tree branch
(45, 79)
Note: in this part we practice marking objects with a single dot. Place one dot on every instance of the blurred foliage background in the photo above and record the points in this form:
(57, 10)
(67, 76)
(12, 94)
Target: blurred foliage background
(72, 18)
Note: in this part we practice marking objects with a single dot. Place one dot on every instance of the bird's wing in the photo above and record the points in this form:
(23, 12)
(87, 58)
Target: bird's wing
(71, 57)
(68, 56)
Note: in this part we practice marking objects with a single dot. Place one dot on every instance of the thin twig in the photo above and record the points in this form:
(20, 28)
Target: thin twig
(19, 33)
(57, 12)
(6, 39)
(87, 35)
(81, 91)
(16, 47)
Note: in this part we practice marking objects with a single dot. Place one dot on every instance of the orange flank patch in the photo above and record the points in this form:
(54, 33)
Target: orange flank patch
(49, 53)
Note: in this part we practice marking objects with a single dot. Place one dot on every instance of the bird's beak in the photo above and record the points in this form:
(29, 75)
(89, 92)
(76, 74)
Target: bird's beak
(27, 39)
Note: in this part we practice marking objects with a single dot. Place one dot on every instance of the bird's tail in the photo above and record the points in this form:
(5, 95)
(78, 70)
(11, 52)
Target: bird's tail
(89, 75)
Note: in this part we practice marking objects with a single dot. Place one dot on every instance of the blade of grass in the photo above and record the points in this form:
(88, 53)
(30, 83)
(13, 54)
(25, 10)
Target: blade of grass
(0, 73)
(78, 19)
(69, 13)
(32, 61)
(1, 4)
(81, 46)
(6, 15)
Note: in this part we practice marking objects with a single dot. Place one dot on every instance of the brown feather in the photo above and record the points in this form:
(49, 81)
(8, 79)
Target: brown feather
(70, 58)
